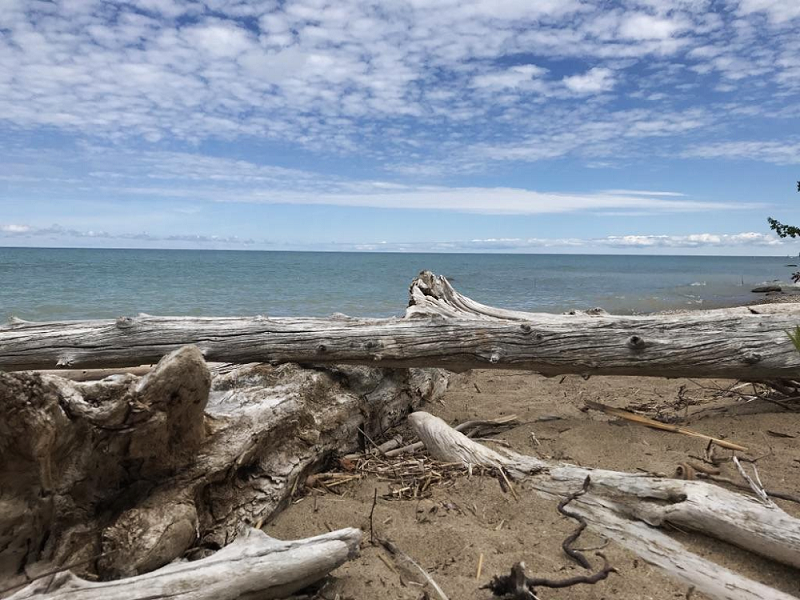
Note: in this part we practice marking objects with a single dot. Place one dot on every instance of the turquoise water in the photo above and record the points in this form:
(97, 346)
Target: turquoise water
(52, 284)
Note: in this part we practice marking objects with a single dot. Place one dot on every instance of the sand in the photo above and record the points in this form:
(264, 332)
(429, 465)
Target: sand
(448, 531)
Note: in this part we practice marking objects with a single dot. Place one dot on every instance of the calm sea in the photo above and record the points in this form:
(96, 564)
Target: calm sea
(52, 284)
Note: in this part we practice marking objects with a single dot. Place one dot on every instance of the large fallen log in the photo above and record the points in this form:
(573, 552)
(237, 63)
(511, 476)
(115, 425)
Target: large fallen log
(253, 566)
(441, 328)
(122, 476)
(627, 507)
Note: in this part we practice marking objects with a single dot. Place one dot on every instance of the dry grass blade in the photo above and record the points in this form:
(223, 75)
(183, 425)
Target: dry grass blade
(647, 422)
(407, 478)
(397, 553)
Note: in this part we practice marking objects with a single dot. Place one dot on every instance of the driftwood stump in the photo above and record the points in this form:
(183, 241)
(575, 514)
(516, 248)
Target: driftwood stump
(126, 474)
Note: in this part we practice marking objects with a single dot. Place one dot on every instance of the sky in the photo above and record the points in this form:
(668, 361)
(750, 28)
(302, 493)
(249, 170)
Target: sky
(581, 126)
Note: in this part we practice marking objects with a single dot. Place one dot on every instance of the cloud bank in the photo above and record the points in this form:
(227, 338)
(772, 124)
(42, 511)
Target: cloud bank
(346, 75)
(744, 242)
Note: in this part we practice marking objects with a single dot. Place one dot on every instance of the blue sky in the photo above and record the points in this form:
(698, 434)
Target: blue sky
(654, 126)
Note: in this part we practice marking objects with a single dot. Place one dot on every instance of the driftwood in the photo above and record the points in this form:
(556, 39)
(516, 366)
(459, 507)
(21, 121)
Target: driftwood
(441, 328)
(98, 374)
(126, 474)
(253, 566)
(624, 506)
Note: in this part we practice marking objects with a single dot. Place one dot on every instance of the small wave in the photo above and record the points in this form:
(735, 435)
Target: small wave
(697, 283)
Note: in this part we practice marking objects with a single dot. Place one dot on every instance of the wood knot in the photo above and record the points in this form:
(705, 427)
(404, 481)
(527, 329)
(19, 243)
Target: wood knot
(322, 348)
(636, 343)
(526, 328)
(752, 358)
(539, 337)
(124, 322)
(494, 358)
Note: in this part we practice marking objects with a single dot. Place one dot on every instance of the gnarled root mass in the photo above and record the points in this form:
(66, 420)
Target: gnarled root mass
(121, 476)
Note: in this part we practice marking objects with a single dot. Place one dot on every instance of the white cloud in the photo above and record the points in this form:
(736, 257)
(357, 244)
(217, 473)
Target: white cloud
(200, 177)
(642, 26)
(617, 134)
(496, 200)
(644, 193)
(14, 228)
(781, 153)
(64, 233)
(778, 11)
(219, 39)
(595, 80)
(521, 76)
(405, 82)
(633, 241)
(648, 243)
(697, 240)
(504, 201)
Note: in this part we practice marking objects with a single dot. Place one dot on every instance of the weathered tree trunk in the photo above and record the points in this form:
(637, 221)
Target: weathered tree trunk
(624, 506)
(128, 473)
(253, 566)
(441, 328)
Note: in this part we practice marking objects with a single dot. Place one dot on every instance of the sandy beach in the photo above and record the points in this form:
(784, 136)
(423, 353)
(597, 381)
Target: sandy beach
(448, 531)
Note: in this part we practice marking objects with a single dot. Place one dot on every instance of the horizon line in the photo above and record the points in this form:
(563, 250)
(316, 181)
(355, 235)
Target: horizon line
(402, 252)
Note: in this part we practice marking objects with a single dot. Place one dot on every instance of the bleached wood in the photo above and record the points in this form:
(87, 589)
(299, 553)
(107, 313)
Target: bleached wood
(140, 470)
(253, 566)
(621, 505)
(441, 328)
(98, 374)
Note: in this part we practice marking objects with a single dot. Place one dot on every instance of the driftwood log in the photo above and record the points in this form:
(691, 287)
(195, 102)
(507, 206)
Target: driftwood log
(124, 475)
(252, 566)
(627, 507)
(441, 328)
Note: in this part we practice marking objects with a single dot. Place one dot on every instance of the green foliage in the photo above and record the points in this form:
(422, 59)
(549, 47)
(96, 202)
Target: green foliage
(795, 337)
(784, 230)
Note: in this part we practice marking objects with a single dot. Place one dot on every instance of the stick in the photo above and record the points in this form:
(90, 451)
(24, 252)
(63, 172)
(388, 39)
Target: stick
(574, 554)
(756, 486)
(519, 586)
(371, 514)
(647, 422)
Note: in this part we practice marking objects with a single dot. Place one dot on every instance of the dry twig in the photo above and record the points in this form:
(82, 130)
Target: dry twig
(756, 486)
(647, 422)
(519, 586)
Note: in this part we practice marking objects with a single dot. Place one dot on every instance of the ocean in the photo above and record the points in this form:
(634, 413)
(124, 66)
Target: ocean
(54, 284)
